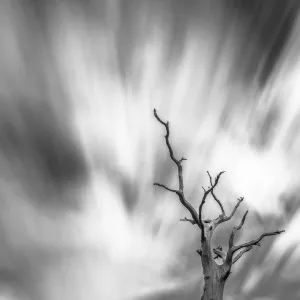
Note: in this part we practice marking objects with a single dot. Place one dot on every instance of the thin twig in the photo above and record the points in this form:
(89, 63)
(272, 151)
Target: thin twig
(188, 220)
(165, 187)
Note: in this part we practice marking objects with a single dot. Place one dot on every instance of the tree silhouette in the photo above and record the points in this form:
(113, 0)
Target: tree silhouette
(215, 274)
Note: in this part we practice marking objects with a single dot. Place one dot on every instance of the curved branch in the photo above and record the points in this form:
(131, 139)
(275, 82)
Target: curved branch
(235, 229)
(225, 218)
(178, 192)
(166, 124)
(188, 220)
(165, 187)
(214, 196)
(256, 242)
(206, 193)
(236, 258)
(241, 199)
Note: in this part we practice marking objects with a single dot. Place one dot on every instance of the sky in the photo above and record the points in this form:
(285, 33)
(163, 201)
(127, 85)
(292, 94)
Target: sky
(80, 147)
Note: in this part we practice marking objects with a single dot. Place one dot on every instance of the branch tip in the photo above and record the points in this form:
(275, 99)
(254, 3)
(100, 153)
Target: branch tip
(188, 220)
(182, 159)
(165, 187)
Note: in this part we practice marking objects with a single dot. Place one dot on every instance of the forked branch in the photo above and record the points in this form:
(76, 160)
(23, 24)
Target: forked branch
(214, 196)
(206, 193)
(236, 228)
(178, 163)
(230, 260)
(222, 218)
(256, 242)
(246, 246)
(225, 218)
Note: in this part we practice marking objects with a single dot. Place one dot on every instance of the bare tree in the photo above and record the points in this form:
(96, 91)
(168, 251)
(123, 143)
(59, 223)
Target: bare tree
(215, 274)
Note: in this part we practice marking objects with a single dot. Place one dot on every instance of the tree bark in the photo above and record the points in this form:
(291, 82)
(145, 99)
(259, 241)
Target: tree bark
(213, 288)
(214, 274)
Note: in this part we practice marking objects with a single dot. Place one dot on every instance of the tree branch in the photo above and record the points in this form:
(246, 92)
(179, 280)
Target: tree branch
(241, 199)
(236, 228)
(242, 221)
(225, 218)
(182, 159)
(166, 125)
(206, 193)
(236, 258)
(246, 246)
(214, 196)
(179, 192)
(256, 242)
(165, 187)
(188, 220)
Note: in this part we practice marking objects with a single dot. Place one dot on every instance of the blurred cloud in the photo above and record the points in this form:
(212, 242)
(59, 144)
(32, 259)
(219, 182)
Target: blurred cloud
(80, 147)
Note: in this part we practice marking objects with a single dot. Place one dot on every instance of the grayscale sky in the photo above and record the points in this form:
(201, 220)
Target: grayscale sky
(80, 148)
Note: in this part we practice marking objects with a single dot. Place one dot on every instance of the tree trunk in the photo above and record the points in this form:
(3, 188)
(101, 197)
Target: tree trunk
(214, 274)
(213, 288)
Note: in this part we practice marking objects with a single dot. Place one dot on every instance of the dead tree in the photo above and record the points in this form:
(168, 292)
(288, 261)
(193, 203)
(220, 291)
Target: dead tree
(215, 274)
